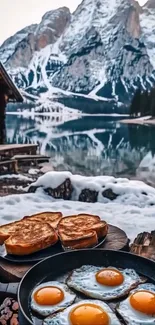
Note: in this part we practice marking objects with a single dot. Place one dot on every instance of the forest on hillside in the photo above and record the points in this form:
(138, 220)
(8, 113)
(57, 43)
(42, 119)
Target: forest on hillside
(143, 103)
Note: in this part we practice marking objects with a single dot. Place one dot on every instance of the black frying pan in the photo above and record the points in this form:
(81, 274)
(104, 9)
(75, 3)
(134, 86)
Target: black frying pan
(59, 264)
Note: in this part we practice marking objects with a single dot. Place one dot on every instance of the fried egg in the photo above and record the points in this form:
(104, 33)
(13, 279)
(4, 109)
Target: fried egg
(86, 312)
(51, 297)
(139, 307)
(103, 283)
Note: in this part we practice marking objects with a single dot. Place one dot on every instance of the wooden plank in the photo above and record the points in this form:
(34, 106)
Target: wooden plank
(8, 162)
(12, 165)
(11, 150)
(20, 157)
(23, 159)
(13, 272)
(16, 146)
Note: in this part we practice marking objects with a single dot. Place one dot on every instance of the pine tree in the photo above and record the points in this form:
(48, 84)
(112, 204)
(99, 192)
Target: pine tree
(152, 102)
(135, 104)
(144, 104)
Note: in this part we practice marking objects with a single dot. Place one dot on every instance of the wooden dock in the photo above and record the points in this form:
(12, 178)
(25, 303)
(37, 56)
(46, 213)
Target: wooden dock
(10, 150)
(16, 156)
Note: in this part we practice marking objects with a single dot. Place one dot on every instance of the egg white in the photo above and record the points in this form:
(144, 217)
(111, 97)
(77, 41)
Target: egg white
(130, 315)
(84, 280)
(68, 300)
(62, 318)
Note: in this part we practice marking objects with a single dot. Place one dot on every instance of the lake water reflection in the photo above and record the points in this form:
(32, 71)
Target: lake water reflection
(92, 145)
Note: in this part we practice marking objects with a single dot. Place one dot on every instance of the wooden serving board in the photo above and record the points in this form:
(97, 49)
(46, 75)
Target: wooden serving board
(11, 272)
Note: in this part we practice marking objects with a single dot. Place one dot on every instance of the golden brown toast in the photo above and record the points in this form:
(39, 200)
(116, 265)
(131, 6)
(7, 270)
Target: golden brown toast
(83, 222)
(7, 230)
(32, 237)
(79, 220)
(101, 228)
(78, 240)
(78, 230)
(51, 217)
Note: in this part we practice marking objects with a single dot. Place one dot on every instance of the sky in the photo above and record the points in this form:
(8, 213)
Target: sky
(17, 14)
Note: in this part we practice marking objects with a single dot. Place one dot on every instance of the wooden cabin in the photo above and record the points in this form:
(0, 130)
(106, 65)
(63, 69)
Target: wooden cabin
(8, 93)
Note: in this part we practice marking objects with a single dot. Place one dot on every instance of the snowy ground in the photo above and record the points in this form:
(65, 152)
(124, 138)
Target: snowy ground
(133, 211)
(17, 176)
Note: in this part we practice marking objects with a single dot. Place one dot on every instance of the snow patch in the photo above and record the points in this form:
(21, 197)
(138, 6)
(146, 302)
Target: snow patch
(147, 23)
(17, 176)
(129, 192)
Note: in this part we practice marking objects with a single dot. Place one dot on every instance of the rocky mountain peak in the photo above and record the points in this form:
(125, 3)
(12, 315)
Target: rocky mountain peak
(8, 47)
(34, 39)
(150, 4)
(133, 22)
(104, 49)
(137, 6)
(51, 27)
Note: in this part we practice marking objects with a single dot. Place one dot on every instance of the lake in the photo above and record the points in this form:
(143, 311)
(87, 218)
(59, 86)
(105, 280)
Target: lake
(90, 145)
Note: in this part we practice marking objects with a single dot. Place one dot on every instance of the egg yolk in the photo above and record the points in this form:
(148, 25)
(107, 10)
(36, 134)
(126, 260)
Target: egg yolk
(109, 277)
(143, 301)
(89, 314)
(48, 296)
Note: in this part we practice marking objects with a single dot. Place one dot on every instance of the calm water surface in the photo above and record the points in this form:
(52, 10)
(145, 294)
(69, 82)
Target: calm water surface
(92, 145)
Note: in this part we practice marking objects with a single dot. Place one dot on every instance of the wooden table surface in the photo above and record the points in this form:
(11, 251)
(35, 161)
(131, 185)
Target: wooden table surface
(13, 272)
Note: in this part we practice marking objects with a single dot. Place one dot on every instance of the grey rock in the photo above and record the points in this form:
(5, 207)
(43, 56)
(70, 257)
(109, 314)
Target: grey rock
(64, 191)
(88, 196)
(109, 194)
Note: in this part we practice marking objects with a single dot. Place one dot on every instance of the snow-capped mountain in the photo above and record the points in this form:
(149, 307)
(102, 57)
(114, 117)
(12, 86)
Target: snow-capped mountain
(104, 49)
(9, 47)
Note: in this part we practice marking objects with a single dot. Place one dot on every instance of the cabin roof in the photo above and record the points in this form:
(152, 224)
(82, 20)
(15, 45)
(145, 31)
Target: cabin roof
(8, 85)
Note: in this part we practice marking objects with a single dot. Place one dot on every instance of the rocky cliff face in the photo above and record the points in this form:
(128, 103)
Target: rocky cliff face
(107, 56)
(150, 4)
(8, 48)
(106, 48)
(34, 38)
(51, 27)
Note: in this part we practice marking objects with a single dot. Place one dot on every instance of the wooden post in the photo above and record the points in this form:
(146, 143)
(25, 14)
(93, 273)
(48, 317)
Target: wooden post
(2, 117)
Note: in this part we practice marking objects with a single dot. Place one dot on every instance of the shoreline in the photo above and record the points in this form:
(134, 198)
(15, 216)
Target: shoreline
(146, 120)
(58, 114)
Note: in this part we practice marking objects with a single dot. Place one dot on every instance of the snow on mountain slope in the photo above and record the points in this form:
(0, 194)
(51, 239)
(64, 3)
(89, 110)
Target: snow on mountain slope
(147, 21)
(46, 33)
(90, 13)
(9, 46)
(105, 48)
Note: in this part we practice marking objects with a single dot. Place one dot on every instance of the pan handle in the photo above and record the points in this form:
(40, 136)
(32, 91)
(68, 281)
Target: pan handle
(9, 288)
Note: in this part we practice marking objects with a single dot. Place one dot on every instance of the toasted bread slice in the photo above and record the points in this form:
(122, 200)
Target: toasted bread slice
(83, 222)
(101, 228)
(7, 230)
(51, 217)
(32, 237)
(79, 220)
(78, 240)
